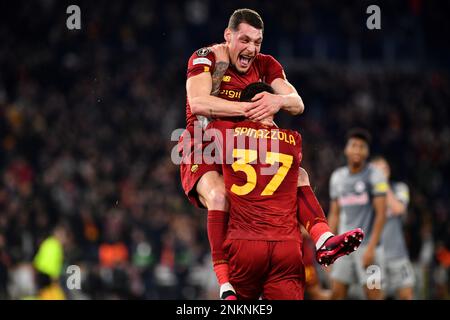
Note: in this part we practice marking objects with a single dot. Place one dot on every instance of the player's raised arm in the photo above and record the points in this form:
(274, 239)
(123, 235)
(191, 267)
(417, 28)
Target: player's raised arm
(203, 103)
(379, 205)
(333, 216)
(285, 98)
(290, 99)
(203, 87)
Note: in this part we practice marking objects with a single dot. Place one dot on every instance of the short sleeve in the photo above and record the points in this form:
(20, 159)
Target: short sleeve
(378, 182)
(202, 60)
(272, 69)
(401, 192)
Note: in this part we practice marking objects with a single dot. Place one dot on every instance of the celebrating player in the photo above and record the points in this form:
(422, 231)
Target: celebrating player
(263, 239)
(358, 200)
(399, 271)
(215, 78)
(263, 242)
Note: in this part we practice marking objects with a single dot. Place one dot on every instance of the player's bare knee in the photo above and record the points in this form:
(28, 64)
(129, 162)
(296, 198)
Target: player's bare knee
(374, 294)
(303, 178)
(337, 295)
(217, 199)
(338, 290)
(405, 294)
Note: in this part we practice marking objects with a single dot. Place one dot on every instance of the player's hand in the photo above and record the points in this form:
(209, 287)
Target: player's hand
(264, 104)
(221, 52)
(368, 257)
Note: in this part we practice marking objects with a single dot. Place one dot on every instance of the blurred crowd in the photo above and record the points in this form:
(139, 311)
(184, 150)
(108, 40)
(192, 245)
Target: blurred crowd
(86, 118)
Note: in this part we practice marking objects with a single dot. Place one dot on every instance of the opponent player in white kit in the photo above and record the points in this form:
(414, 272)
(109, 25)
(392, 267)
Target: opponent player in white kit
(358, 200)
(399, 275)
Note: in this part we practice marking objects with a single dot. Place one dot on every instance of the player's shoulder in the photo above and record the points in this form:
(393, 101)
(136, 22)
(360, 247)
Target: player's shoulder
(341, 170)
(374, 172)
(400, 186)
(203, 52)
(266, 59)
(339, 173)
(202, 56)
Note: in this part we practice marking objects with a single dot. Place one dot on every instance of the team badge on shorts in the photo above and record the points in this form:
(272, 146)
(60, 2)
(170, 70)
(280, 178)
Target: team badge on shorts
(203, 52)
(194, 168)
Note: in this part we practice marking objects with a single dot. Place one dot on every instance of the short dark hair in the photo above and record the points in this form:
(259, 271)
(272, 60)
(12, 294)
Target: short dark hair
(360, 133)
(253, 89)
(248, 16)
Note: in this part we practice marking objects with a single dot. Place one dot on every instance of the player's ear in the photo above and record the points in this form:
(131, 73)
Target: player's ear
(227, 35)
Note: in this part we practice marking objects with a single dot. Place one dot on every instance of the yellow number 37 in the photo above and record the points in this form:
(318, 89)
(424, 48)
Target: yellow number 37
(244, 157)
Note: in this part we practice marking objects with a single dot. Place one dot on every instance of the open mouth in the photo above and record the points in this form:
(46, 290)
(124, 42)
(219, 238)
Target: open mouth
(245, 60)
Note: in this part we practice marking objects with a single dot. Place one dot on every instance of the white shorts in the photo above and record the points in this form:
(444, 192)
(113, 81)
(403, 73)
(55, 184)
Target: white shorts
(399, 274)
(349, 269)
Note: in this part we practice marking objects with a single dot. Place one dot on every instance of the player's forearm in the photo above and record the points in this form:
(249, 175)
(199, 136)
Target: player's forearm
(333, 217)
(379, 221)
(333, 223)
(292, 103)
(377, 230)
(213, 107)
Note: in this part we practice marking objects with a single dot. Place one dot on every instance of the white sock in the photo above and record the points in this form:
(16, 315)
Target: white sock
(324, 237)
(226, 287)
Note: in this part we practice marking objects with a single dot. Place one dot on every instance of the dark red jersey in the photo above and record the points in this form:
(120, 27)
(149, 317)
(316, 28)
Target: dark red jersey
(260, 170)
(264, 68)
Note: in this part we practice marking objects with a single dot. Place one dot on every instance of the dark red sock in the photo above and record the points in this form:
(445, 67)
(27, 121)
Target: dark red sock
(310, 213)
(217, 226)
(222, 273)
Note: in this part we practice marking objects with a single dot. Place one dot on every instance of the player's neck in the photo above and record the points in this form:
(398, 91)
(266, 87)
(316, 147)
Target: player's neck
(356, 167)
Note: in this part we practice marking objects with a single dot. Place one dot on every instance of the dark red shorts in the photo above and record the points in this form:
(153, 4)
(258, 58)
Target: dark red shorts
(190, 171)
(309, 253)
(272, 270)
